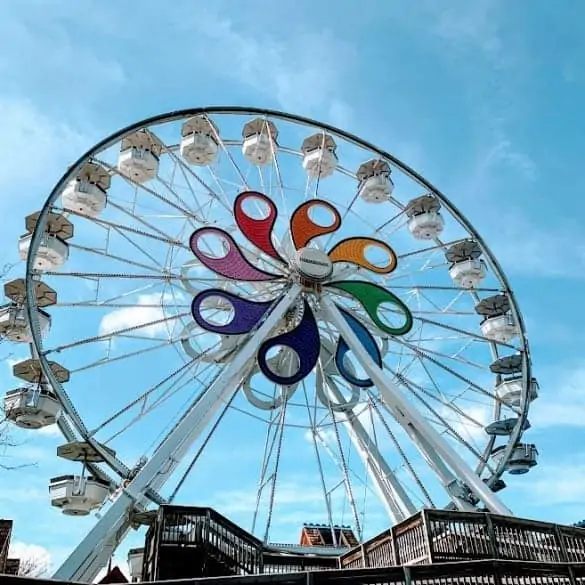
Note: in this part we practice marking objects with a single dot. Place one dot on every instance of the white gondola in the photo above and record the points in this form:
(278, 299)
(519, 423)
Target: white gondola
(198, 141)
(14, 323)
(509, 391)
(500, 328)
(84, 197)
(87, 193)
(319, 156)
(76, 495)
(139, 157)
(425, 221)
(524, 456)
(135, 562)
(468, 273)
(52, 251)
(31, 409)
(259, 144)
(426, 226)
(375, 186)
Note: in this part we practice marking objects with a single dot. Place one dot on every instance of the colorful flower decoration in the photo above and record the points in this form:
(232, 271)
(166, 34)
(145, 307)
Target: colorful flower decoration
(304, 339)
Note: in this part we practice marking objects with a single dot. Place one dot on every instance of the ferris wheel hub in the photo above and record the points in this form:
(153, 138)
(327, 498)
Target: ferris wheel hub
(313, 265)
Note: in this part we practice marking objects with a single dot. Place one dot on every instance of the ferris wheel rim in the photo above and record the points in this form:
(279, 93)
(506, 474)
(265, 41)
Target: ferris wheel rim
(37, 345)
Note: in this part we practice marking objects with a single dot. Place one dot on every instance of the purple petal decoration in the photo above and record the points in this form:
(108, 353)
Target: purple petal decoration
(234, 264)
(247, 314)
(304, 340)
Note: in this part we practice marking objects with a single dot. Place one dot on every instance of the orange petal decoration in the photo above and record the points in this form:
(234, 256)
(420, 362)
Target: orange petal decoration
(353, 250)
(303, 229)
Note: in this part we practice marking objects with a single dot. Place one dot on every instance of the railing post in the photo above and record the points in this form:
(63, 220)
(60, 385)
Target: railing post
(395, 552)
(428, 536)
(491, 535)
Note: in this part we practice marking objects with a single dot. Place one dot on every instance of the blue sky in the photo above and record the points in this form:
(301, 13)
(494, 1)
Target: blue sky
(483, 98)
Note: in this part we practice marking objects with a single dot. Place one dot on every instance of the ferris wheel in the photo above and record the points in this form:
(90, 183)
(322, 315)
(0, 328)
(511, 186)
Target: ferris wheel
(282, 289)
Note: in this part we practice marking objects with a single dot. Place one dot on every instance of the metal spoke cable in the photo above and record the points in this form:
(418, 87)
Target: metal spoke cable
(115, 333)
(143, 396)
(275, 472)
(398, 447)
(346, 479)
(201, 448)
(269, 444)
(320, 464)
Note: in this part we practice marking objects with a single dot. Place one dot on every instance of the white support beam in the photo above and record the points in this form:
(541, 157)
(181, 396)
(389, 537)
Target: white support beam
(395, 499)
(92, 553)
(432, 445)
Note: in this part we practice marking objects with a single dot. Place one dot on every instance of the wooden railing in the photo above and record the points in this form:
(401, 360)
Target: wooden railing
(438, 536)
(487, 572)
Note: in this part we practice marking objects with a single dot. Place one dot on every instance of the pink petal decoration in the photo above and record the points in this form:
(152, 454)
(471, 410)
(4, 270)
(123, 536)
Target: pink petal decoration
(234, 264)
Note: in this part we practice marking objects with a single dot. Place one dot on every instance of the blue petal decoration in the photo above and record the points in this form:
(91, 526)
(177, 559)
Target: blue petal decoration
(369, 343)
(304, 340)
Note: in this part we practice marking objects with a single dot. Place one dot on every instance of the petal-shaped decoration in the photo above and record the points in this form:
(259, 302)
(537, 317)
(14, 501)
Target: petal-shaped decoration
(258, 231)
(234, 264)
(328, 392)
(354, 250)
(371, 296)
(303, 340)
(366, 340)
(246, 316)
(260, 399)
(303, 229)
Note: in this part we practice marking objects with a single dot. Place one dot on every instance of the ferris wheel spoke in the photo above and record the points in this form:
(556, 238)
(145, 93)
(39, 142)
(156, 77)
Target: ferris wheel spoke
(343, 468)
(468, 334)
(118, 332)
(200, 450)
(107, 305)
(390, 221)
(127, 261)
(175, 387)
(398, 503)
(193, 212)
(322, 480)
(425, 355)
(454, 357)
(110, 360)
(441, 420)
(140, 249)
(406, 461)
(142, 398)
(133, 217)
(279, 434)
(227, 153)
(187, 213)
(158, 236)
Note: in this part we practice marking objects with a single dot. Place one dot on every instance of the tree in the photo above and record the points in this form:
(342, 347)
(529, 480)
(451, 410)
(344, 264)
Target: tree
(33, 566)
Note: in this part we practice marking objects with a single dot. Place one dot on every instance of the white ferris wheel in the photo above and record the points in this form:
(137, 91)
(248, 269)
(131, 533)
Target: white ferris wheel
(250, 278)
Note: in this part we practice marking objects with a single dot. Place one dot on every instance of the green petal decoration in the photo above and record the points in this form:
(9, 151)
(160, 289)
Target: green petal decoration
(371, 296)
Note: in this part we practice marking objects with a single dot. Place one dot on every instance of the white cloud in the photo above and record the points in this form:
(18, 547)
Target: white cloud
(465, 427)
(34, 146)
(135, 316)
(303, 73)
(35, 558)
(49, 431)
(558, 484)
(562, 403)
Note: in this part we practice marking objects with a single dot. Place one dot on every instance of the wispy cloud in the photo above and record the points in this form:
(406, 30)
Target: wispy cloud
(135, 316)
(562, 402)
(303, 72)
